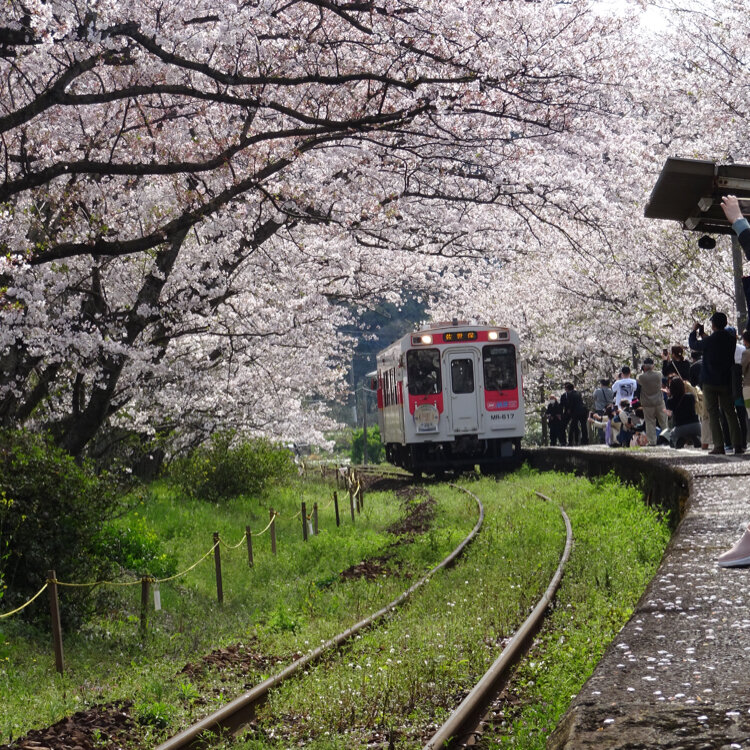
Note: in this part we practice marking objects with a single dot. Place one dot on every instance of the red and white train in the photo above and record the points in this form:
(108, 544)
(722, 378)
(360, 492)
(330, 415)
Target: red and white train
(451, 397)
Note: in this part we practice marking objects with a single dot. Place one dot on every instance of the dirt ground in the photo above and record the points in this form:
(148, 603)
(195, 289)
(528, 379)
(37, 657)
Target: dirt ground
(419, 512)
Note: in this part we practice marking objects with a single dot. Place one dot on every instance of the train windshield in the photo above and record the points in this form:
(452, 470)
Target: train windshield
(423, 371)
(499, 367)
(462, 376)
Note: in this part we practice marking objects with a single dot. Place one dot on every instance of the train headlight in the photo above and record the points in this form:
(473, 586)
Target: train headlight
(493, 335)
(426, 339)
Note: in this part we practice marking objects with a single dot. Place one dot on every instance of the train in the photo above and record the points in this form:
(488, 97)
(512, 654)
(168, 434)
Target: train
(450, 398)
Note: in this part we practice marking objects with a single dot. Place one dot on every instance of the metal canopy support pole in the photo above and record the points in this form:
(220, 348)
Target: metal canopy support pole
(364, 427)
(739, 294)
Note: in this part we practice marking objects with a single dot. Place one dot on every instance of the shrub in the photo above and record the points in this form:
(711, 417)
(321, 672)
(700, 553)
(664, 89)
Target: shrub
(137, 549)
(375, 449)
(51, 511)
(156, 714)
(227, 467)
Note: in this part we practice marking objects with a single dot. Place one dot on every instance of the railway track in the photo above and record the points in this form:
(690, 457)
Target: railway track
(466, 725)
(241, 711)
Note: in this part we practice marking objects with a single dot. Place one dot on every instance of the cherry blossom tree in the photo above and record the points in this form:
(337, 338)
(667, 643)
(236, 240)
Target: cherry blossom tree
(189, 190)
(629, 285)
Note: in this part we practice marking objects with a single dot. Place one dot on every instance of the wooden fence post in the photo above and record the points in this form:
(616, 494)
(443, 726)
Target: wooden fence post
(54, 611)
(217, 560)
(145, 586)
(273, 531)
(249, 536)
(351, 501)
(336, 508)
(315, 519)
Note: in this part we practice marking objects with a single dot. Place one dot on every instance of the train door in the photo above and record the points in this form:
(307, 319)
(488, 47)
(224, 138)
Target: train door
(462, 387)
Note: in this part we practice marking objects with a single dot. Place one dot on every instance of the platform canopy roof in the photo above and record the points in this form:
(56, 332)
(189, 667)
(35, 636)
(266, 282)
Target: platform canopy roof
(690, 191)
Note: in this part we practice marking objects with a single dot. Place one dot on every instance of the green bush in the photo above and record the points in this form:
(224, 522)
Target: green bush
(375, 449)
(51, 511)
(227, 467)
(137, 549)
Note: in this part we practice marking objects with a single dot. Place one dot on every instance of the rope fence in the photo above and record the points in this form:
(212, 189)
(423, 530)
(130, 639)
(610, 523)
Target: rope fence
(309, 528)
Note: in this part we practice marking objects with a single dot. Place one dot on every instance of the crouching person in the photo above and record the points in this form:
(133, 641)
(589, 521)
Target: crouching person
(681, 405)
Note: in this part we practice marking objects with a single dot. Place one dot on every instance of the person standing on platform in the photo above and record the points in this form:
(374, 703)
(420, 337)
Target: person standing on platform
(555, 421)
(716, 380)
(739, 555)
(675, 363)
(739, 402)
(652, 400)
(603, 397)
(577, 415)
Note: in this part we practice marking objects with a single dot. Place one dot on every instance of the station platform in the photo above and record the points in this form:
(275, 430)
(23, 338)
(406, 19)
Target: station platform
(678, 673)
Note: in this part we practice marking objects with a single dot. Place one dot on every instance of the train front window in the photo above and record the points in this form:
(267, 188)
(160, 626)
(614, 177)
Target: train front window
(462, 376)
(499, 363)
(423, 371)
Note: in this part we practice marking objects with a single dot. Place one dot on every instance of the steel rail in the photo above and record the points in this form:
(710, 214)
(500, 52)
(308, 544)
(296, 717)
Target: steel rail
(241, 710)
(374, 471)
(469, 713)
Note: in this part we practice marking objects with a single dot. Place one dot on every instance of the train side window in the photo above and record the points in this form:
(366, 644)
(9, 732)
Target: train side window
(462, 376)
(499, 367)
(423, 371)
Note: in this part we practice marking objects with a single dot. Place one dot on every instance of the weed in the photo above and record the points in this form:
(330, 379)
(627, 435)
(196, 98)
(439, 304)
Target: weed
(187, 692)
(155, 714)
(281, 620)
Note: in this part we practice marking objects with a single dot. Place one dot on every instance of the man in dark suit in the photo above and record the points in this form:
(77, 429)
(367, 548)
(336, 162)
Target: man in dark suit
(575, 411)
(716, 380)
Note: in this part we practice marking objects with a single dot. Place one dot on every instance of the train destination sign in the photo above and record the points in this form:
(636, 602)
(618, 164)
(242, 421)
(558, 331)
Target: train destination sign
(452, 336)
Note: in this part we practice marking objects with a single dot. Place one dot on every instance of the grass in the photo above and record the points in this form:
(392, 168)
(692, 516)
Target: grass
(395, 682)
(618, 545)
(398, 684)
(400, 679)
(283, 605)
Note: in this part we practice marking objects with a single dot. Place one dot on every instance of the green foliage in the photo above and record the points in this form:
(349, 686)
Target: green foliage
(342, 441)
(156, 714)
(402, 676)
(187, 692)
(50, 513)
(136, 548)
(282, 621)
(227, 467)
(375, 449)
(618, 544)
